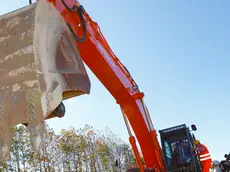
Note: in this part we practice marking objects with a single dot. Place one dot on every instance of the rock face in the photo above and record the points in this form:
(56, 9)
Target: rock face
(39, 67)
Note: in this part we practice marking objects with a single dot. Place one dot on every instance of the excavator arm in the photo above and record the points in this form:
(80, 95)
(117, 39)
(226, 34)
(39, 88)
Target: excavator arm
(99, 57)
(96, 54)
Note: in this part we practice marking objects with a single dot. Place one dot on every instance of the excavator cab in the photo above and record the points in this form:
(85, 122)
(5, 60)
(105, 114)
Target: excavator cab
(176, 144)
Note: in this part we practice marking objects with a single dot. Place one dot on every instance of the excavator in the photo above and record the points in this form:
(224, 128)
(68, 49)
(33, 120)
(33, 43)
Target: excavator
(43, 49)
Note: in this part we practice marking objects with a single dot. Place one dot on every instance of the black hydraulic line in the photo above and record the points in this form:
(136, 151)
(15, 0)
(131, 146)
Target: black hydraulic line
(79, 11)
(67, 7)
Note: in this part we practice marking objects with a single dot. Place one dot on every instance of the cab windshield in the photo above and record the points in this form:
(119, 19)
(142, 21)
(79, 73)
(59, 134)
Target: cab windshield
(177, 153)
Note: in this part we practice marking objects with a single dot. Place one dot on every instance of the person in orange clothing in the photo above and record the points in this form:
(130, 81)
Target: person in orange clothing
(205, 156)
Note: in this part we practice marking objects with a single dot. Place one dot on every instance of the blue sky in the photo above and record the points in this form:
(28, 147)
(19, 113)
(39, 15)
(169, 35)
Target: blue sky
(178, 53)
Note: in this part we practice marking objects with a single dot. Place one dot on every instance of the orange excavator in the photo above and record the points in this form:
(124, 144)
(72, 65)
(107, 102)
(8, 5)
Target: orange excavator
(42, 50)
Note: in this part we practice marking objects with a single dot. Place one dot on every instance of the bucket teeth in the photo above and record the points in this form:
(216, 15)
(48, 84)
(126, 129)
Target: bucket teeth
(36, 134)
(5, 144)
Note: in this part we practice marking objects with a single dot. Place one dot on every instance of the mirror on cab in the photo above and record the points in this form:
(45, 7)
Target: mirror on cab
(193, 126)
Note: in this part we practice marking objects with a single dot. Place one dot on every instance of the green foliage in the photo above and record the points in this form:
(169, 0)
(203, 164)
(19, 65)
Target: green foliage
(72, 150)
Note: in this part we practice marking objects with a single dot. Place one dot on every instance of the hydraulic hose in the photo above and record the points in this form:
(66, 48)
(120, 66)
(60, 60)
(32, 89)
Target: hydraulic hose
(79, 11)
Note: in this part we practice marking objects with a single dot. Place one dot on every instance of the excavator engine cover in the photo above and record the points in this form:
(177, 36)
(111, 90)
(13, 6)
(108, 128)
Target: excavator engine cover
(40, 66)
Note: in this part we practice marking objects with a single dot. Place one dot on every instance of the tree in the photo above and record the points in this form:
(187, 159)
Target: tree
(80, 150)
(20, 150)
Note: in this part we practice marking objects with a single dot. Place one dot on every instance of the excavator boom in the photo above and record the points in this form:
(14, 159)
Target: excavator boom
(99, 57)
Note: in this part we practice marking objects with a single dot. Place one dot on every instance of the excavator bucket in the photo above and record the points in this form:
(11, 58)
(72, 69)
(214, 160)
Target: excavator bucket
(40, 66)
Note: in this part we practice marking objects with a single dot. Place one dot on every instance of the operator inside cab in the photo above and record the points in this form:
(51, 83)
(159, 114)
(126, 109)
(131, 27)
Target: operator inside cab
(181, 154)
